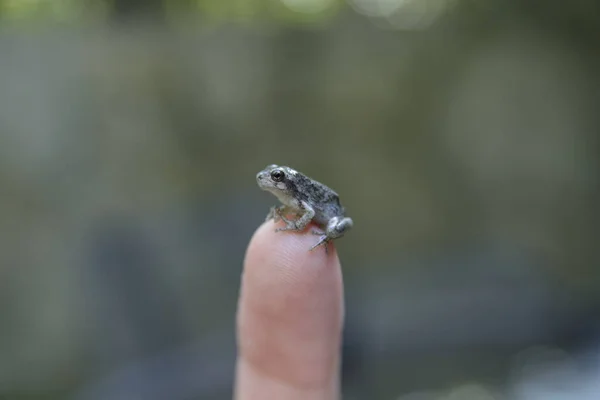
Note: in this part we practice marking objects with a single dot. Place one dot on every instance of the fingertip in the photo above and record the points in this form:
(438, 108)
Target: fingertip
(288, 255)
(290, 309)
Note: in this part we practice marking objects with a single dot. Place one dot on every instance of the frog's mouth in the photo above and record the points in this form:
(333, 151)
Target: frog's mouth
(263, 180)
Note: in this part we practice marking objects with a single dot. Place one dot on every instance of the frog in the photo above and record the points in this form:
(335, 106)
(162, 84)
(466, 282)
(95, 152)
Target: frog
(307, 200)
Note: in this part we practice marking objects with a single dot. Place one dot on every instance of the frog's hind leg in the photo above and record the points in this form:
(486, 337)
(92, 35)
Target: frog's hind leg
(323, 241)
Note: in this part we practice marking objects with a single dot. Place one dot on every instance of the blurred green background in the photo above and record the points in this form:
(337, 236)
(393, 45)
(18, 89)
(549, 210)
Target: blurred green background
(461, 135)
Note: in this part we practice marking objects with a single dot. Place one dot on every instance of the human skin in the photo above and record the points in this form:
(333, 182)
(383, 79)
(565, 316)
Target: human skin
(290, 318)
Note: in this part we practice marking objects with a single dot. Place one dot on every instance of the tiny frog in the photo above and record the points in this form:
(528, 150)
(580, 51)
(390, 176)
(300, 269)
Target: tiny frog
(306, 199)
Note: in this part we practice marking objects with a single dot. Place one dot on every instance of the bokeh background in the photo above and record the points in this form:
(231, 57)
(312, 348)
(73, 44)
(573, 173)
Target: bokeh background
(462, 136)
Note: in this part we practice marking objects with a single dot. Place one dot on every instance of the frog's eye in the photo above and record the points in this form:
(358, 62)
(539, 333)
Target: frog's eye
(277, 175)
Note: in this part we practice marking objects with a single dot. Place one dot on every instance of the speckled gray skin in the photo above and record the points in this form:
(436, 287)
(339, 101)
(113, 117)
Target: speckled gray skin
(308, 200)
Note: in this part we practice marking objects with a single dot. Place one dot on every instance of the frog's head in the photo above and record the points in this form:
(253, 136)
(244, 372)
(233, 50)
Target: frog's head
(278, 180)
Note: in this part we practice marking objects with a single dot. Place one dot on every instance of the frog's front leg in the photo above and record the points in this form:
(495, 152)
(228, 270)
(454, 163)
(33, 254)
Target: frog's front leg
(300, 223)
(336, 228)
(275, 213)
(278, 213)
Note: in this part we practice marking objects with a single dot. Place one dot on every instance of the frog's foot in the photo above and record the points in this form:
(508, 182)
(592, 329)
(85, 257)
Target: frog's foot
(323, 241)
